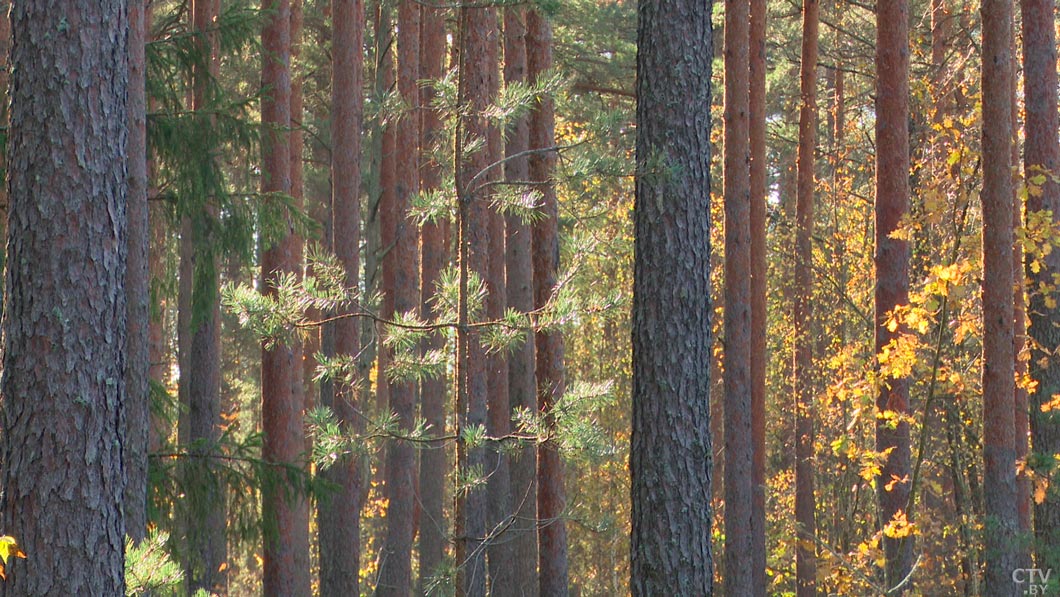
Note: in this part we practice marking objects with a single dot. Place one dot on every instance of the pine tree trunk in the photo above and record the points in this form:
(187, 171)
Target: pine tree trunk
(137, 284)
(670, 456)
(478, 29)
(759, 273)
(522, 392)
(805, 521)
(64, 323)
(434, 257)
(551, 382)
(339, 515)
(1042, 156)
(999, 457)
(400, 277)
(892, 270)
(286, 515)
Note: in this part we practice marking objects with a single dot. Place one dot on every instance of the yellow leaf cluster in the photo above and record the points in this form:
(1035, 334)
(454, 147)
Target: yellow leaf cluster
(8, 548)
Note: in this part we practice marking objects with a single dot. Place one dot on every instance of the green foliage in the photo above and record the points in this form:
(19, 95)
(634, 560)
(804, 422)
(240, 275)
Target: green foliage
(149, 568)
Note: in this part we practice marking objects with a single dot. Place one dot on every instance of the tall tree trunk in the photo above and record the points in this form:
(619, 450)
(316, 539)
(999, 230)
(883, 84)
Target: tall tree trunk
(339, 515)
(805, 521)
(522, 392)
(498, 466)
(399, 279)
(551, 382)
(285, 512)
(892, 271)
(999, 456)
(137, 283)
(739, 448)
(434, 255)
(1041, 156)
(759, 272)
(670, 455)
(478, 30)
(63, 410)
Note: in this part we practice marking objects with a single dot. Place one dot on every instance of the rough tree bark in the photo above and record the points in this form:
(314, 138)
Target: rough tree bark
(670, 458)
(64, 323)
(551, 382)
(522, 392)
(892, 269)
(805, 551)
(137, 283)
(1041, 155)
(339, 515)
(434, 255)
(999, 457)
(285, 512)
(400, 280)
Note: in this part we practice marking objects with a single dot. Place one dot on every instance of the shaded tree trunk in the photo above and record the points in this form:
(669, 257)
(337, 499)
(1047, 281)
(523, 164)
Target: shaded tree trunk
(285, 512)
(892, 271)
(1042, 157)
(551, 383)
(339, 515)
(64, 321)
(137, 282)
(805, 551)
(670, 456)
(399, 280)
(522, 392)
(999, 458)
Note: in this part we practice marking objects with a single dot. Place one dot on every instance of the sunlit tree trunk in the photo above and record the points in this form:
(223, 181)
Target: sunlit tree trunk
(63, 408)
(522, 391)
(805, 551)
(434, 256)
(551, 382)
(999, 459)
(670, 452)
(286, 516)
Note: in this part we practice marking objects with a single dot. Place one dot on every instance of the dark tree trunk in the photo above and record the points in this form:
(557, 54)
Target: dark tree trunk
(892, 269)
(670, 460)
(805, 515)
(1042, 156)
(284, 509)
(338, 515)
(478, 30)
(137, 284)
(737, 371)
(759, 272)
(64, 321)
(522, 392)
(999, 455)
(434, 256)
(551, 382)
(399, 280)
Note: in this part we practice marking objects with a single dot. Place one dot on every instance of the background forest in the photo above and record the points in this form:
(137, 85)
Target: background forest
(381, 308)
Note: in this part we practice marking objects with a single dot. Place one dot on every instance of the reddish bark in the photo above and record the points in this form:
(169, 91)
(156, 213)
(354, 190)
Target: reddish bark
(434, 255)
(999, 455)
(551, 381)
(400, 277)
(739, 449)
(286, 515)
(892, 268)
(759, 272)
(519, 283)
(805, 551)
